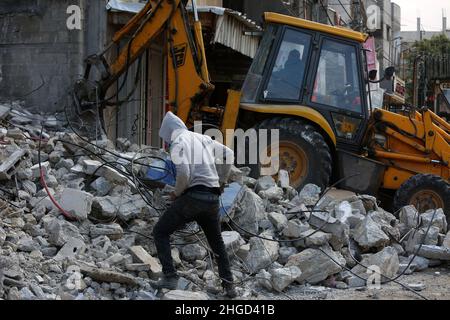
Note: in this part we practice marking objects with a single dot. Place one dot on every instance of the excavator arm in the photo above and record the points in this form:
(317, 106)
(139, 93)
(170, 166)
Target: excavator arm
(414, 145)
(188, 78)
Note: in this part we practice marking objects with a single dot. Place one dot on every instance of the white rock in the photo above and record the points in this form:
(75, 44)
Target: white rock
(78, 203)
(232, 240)
(264, 279)
(185, 295)
(283, 178)
(315, 265)
(295, 228)
(369, 235)
(264, 183)
(272, 194)
(262, 252)
(386, 261)
(283, 277)
(279, 220)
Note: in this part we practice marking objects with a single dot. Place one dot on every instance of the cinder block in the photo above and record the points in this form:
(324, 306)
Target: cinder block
(9, 167)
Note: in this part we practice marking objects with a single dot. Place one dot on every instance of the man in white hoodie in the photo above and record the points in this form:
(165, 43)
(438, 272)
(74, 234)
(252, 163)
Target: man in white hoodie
(196, 197)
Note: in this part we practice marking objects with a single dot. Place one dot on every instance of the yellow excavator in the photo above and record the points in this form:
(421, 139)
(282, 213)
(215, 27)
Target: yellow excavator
(309, 81)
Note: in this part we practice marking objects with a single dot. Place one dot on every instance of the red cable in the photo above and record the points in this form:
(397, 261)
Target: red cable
(64, 212)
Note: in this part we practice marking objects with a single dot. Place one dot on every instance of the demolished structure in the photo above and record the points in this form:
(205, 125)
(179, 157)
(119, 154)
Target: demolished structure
(76, 220)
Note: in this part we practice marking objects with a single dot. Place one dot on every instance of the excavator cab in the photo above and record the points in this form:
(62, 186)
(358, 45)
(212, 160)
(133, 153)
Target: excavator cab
(302, 65)
(311, 82)
(314, 74)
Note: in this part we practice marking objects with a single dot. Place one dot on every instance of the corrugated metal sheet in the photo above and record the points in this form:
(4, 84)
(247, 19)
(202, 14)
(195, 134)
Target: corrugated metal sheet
(230, 26)
(230, 33)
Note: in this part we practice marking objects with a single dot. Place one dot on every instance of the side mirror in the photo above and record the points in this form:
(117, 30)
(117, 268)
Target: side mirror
(389, 73)
(373, 75)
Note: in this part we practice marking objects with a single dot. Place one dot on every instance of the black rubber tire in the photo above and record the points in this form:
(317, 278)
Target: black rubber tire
(423, 182)
(314, 146)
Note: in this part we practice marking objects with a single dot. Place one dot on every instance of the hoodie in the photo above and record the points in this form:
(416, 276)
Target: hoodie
(196, 157)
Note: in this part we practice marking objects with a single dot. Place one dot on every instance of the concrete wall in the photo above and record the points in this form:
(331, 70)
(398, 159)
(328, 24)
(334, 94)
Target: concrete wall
(37, 50)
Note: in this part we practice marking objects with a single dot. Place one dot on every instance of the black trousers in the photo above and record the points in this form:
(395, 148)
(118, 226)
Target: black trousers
(203, 208)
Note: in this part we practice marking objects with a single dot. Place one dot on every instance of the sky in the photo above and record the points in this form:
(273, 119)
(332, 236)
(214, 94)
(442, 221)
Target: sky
(430, 12)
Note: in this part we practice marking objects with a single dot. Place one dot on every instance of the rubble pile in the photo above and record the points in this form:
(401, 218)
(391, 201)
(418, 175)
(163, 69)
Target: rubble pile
(76, 223)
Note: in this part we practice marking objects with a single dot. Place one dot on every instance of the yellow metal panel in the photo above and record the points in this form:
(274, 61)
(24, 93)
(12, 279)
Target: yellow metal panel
(306, 24)
(231, 111)
(294, 110)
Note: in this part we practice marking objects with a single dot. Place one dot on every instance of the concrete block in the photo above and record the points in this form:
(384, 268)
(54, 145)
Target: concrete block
(143, 257)
(10, 166)
(76, 202)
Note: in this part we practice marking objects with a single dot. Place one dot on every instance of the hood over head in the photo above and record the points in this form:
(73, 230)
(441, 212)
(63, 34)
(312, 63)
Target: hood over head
(171, 127)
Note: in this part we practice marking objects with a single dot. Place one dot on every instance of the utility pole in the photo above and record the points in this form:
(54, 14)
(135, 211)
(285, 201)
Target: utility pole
(296, 7)
(359, 16)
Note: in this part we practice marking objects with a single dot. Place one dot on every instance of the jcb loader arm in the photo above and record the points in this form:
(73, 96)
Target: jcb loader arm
(188, 78)
(413, 145)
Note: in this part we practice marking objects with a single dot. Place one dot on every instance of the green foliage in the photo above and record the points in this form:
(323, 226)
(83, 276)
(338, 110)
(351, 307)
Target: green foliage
(437, 46)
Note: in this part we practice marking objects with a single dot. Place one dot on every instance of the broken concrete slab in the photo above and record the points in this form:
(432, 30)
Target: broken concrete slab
(107, 275)
(262, 252)
(278, 220)
(10, 166)
(185, 295)
(101, 186)
(78, 203)
(113, 231)
(60, 231)
(284, 253)
(272, 194)
(314, 238)
(126, 207)
(328, 224)
(386, 261)
(232, 240)
(309, 195)
(71, 248)
(283, 277)
(439, 221)
(247, 212)
(409, 219)
(264, 279)
(295, 228)
(36, 173)
(434, 252)
(142, 256)
(369, 235)
(91, 166)
(309, 260)
(264, 183)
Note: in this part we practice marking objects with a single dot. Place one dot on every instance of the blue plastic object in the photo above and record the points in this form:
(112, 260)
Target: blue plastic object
(164, 173)
(229, 198)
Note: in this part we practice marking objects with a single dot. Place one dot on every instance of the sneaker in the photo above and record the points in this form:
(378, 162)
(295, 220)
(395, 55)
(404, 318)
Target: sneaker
(230, 290)
(170, 283)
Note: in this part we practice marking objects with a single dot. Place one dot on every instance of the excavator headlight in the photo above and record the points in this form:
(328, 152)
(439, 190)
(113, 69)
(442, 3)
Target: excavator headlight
(346, 126)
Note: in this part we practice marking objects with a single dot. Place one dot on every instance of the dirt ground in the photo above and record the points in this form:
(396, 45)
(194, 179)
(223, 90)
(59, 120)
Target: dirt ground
(436, 281)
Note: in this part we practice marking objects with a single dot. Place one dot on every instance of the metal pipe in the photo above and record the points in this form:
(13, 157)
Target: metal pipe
(194, 8)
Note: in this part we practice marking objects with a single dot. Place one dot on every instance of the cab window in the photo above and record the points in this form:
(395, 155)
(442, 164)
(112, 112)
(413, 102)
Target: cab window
(337, 82)
(287, 74)
(255, 75)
